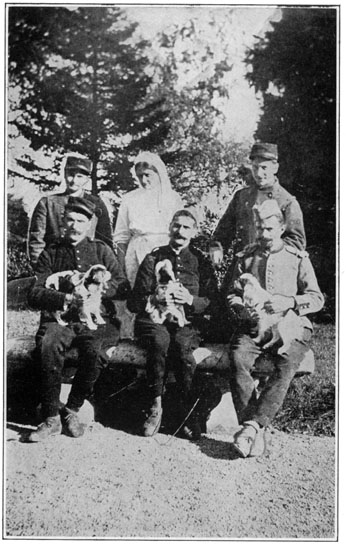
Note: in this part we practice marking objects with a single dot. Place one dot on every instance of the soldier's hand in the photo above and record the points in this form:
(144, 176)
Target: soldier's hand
(279, 303)
(182, 296)
(233, 300)
(253, 315)
(52, 281)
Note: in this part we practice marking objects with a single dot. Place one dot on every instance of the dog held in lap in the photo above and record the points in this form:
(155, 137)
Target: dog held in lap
(284, 327)
(160, 306)
(86, 289)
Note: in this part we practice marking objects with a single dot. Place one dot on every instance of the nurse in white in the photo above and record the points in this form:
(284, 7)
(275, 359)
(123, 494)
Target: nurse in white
(145, 213)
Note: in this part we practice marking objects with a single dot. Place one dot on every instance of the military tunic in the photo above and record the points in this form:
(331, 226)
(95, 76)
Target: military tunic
(53, 339)
(237, 226)
(190, 267)
(168, 342)
(287, 272)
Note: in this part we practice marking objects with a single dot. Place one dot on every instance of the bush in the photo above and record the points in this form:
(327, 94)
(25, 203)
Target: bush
(18, 264)
(17, 222)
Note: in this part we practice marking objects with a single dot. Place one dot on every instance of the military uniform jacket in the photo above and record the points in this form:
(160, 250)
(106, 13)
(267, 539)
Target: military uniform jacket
(63, 256)
(47, 223)
(287, 272)
(190, 267)
(237, 224)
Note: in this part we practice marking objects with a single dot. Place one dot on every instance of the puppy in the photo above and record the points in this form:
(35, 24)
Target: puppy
(87, 288)
(166, 286)
(284, 326)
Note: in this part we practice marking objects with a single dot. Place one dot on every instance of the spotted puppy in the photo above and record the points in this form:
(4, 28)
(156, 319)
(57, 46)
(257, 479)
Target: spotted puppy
(156, 308)
(86, 289)
(284, 326)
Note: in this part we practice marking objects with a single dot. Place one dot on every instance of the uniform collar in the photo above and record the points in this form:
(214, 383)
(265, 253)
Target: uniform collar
(182, 252)
(67, 243)
(267, 252)
(269, 189)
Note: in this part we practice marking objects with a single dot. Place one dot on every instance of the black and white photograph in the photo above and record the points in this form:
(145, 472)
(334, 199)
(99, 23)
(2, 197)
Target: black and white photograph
(171, 271)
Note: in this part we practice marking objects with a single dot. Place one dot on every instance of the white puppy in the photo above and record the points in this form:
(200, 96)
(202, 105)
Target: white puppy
(89, 287)
(157, 310)
(284, 326)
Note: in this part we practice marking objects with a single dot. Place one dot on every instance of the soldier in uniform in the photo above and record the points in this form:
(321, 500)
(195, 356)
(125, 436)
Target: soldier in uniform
(197, 293)
(237, 227)
(75, 252)
(47, 222)
(287, 274)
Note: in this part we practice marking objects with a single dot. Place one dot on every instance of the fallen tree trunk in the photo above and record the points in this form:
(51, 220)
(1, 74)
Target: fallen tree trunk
(212, 357)
(128, 360)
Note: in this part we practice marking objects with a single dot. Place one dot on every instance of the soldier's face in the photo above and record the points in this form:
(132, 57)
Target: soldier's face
(269, 233)
(181, 230)
(75, 181)
(264, 172)
(77, 226)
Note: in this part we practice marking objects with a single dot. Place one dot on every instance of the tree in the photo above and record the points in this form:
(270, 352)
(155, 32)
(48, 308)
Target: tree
(84, 88)
(191, 73)
(294, 68)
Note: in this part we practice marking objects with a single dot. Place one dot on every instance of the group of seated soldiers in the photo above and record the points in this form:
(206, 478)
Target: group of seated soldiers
(264, 225)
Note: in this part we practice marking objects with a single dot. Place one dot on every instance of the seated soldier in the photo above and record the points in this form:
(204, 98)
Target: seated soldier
(286, 273)
(196, 291)
(76, 252)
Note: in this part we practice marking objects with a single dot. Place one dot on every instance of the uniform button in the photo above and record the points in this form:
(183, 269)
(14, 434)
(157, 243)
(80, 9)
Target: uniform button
(270, 195)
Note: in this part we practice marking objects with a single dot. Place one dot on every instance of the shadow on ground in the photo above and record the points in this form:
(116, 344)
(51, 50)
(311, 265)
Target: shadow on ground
(121, 401)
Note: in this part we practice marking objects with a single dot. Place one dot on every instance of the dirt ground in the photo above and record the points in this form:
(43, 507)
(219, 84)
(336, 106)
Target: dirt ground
(112, 483)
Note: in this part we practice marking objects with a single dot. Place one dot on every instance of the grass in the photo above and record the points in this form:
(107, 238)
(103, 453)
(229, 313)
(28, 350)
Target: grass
(309, 406)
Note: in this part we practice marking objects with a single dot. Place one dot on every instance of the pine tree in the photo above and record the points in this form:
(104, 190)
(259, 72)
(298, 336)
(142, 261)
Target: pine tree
(83, 86)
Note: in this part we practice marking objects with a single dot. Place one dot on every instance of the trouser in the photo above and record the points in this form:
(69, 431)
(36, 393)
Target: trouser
(52, 342)
(245, 355)
(168, 345)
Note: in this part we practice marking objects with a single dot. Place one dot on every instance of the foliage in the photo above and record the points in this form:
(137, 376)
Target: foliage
(17, 223)
(18, 264)
(17, 220)
(191, 77)
(83, 85)
(294, 68)
(94, 86)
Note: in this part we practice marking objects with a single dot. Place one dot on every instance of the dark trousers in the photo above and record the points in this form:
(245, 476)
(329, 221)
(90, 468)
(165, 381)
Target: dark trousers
(168, 346)
(245, 355)
(53, 340)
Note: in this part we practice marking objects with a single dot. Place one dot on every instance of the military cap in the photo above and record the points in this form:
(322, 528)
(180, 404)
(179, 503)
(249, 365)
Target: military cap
(264, 150)
(268, 208)
(76, 162)
(81, 205)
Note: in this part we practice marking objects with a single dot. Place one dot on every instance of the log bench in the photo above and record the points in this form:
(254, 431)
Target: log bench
(211, 359)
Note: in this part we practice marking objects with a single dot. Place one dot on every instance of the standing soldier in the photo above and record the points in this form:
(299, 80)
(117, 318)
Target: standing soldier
(237, 226)
(47, 223)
